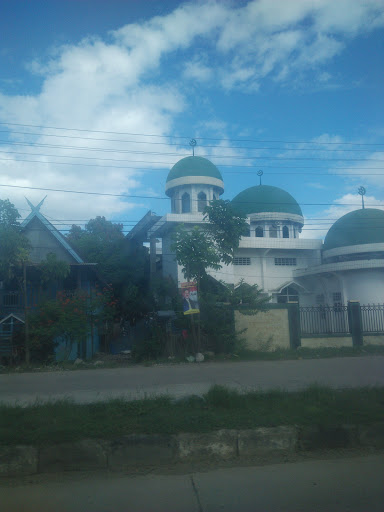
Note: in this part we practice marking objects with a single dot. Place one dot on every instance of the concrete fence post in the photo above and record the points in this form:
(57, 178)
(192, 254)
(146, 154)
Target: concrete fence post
(294, 324)
(355, 322)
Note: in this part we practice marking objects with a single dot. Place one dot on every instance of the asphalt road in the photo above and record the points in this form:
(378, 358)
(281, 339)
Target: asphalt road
(185, 379)
(347, 484)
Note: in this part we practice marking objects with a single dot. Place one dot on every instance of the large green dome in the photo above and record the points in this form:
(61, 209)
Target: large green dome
(194, 166)
(365, 226)
(265, 198)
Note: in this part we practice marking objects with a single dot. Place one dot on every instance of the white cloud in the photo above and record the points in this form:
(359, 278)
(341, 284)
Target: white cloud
(197, 71)
(133, 84)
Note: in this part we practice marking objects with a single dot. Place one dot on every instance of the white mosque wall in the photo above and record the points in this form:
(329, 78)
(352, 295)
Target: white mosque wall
(366, 286)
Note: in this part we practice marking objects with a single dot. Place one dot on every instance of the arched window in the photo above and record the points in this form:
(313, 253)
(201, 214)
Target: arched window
(201, 201)
(185, 203)
(259, 232)
(285, 232)
(272, 232)
(288, 294)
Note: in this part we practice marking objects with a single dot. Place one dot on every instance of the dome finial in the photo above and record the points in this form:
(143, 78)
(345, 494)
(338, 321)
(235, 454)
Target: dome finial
(260, 173)
(193, 143)
(362, 192)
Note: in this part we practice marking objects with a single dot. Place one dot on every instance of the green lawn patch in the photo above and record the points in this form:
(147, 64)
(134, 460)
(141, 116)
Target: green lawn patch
(220, 408)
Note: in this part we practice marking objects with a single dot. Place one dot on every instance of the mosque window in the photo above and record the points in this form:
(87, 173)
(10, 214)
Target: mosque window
(201, 201)
(337, 303)
(273, 232)
(241, 261)
(290, 262)
(185, 203)
(285, 232)
(259, 232)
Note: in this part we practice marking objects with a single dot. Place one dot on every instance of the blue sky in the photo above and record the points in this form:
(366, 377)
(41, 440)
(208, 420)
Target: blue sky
(294, 88)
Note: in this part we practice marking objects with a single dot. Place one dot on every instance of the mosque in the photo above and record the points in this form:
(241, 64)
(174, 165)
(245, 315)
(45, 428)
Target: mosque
(347, 265)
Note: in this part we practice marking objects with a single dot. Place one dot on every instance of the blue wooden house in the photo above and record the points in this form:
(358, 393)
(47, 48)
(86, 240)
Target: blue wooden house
(45, 239)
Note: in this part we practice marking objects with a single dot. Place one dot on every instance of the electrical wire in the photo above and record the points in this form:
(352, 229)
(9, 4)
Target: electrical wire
(185, 144)
(237, 157)
(187, 137)
(141, 169)
(131, 196)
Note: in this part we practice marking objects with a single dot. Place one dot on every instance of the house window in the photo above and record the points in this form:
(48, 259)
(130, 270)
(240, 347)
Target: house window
(288, 294)
(285, 232)
(320, 299)
(11, 299)
(288, 262)
(272, 232)
(241, 261)
(201, 201)
(259, 232)
(185, 203)
(337, 303)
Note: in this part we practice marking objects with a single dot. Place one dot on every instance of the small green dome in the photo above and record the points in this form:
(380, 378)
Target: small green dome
(265, 198)
(364, 226)
(194, 166)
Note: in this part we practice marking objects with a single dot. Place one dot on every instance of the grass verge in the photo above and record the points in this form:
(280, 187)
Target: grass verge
(305, 353)
(245, 355)
(220, 408)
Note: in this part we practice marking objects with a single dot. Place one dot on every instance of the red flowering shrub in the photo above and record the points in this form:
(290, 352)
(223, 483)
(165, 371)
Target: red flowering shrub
(68, 319)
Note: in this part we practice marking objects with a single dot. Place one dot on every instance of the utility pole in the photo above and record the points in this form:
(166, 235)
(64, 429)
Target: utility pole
(26, 324)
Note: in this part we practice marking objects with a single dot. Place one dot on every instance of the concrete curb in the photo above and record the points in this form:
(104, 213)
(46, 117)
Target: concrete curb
(140, 451)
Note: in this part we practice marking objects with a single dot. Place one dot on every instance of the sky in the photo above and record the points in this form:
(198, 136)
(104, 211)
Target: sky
(103, 97)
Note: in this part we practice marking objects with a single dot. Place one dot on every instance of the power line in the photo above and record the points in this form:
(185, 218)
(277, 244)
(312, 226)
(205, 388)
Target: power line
(163, 198)
(140, 169)
(156, 170)
(113, 150)
(186, 144)
(188, 137)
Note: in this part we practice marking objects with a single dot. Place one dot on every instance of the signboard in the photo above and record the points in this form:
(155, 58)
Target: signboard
(190, 300)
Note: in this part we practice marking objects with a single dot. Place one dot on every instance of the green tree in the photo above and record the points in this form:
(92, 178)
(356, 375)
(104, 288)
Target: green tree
(225, 226)
(14, 246)
(52, 270)
(14, 256)
(195, 251)
(122, 264)
(209, 247)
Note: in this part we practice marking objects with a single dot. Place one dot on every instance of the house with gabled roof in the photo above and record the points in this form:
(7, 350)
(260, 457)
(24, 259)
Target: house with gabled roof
(45, 239)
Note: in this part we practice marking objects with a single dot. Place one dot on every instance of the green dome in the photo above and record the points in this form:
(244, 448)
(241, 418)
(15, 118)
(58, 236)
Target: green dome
(265, 198)
(364, 226)
(194, 166)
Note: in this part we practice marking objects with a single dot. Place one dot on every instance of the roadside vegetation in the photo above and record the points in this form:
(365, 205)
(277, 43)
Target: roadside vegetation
(64, 420)
(125, 361)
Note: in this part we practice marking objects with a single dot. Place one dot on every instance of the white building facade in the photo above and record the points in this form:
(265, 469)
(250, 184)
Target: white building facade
(349, 265)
